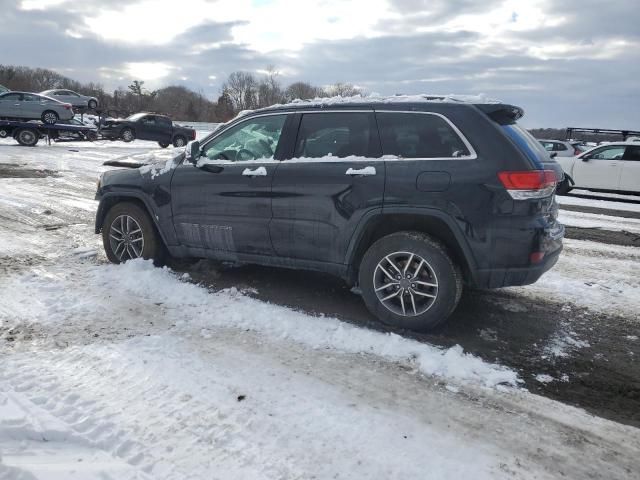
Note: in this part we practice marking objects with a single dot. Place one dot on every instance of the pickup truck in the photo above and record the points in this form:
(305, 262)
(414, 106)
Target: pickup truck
(147, 126)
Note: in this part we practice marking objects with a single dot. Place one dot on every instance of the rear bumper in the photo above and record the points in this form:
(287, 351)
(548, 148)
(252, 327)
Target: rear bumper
(550, 242)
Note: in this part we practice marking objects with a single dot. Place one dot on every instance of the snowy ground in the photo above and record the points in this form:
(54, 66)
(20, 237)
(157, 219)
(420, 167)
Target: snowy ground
(116, 372)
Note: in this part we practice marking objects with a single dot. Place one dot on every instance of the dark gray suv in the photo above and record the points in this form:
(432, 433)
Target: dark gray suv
(407, 199)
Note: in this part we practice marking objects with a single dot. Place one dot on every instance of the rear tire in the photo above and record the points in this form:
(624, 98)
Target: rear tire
(424, 284)
(49, 117)
(179, 141)
(128, 233)
(92, 104)
(27, 137)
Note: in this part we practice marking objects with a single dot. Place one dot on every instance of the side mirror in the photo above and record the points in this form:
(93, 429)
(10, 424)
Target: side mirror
(553, 154)
(585, 158)
(193, 151)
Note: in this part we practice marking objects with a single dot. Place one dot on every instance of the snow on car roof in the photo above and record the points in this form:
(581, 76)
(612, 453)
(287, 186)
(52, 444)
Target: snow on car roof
(373, 98)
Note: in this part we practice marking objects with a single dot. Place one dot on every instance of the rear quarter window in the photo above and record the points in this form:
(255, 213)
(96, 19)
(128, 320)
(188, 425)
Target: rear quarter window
(527, 144)
(419, 135)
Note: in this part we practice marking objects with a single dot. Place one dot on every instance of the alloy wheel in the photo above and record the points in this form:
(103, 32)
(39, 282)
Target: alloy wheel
(405, 284)
(50, 118)
(126, 238)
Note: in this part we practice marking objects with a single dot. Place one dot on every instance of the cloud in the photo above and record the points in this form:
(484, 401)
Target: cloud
(570, 62)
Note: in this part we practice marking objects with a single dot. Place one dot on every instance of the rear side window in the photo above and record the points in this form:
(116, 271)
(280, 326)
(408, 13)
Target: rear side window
(337, 135)
(632, 153)
(419, 135)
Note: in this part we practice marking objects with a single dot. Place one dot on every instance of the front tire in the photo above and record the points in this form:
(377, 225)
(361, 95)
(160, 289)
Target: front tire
(408, 280)
(128, 135)
(128, 233)
(163, 144)
(50, 117)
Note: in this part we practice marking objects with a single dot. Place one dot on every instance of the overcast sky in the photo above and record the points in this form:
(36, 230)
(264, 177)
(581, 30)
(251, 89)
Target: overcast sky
(566, 62)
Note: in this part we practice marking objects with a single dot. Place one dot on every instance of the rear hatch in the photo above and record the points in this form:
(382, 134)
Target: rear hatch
(534, 190)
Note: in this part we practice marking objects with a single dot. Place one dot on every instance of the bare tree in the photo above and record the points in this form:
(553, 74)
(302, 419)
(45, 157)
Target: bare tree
(302, 91)
(341, 89)
(240, 88)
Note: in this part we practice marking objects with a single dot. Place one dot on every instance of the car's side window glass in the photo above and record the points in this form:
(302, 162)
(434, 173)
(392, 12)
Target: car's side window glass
(340, 135)
(418, 135)
(608, 153)
(149, 120)
(632, 153)
(30, 98)
(252, 139)
(548, 146)
(559, 147)
(12, 97)
(163, 121)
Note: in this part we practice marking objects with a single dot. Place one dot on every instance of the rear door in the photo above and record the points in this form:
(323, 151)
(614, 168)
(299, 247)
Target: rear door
(600, 168)
(147, 128)
(164, 129)
(333, 179)
(630, 175)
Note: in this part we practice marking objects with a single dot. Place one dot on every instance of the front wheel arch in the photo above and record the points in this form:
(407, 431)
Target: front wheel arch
(107, 203)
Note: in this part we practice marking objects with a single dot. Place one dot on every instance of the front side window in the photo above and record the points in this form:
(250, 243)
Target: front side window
(252, 139)
(148, 120)
(11, 97)
(608, 153)
(548, 146)
(418, 135)
(339, 135)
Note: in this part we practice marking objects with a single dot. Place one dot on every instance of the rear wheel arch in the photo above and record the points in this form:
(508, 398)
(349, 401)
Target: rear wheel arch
(433, 225)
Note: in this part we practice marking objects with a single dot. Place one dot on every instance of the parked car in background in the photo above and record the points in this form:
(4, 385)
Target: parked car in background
(563, 148)
(74, 98)
(4, 89)
(407, 199)
(31, 106)
(148, 126)
(612, 167)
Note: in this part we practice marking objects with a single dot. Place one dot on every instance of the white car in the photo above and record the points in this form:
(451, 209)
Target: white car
(75, 99)
(563, 148)
(613, 167)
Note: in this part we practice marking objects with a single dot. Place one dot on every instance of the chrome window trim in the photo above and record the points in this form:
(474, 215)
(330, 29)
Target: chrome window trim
(472, 153)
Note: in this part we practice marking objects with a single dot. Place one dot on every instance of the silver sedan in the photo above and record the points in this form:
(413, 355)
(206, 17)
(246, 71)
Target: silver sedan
(74, 98)
(31, 106)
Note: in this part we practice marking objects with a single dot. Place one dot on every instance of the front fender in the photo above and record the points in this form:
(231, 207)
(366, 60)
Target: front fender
(160, 214)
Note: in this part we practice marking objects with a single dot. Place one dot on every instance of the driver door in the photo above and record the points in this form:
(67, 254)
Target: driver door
(600, 168)
(222, 204)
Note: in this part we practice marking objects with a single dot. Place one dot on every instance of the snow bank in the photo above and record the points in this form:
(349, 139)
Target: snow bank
(197, 308)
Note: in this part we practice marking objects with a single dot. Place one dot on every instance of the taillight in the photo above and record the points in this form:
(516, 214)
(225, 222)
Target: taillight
(529, 184)
(67, 106)
(576, 152)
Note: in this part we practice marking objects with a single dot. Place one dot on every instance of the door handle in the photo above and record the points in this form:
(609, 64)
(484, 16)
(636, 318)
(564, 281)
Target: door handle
(364, 172)
(258, 172)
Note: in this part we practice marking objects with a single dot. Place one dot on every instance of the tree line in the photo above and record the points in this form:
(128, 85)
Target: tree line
(240, 91)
